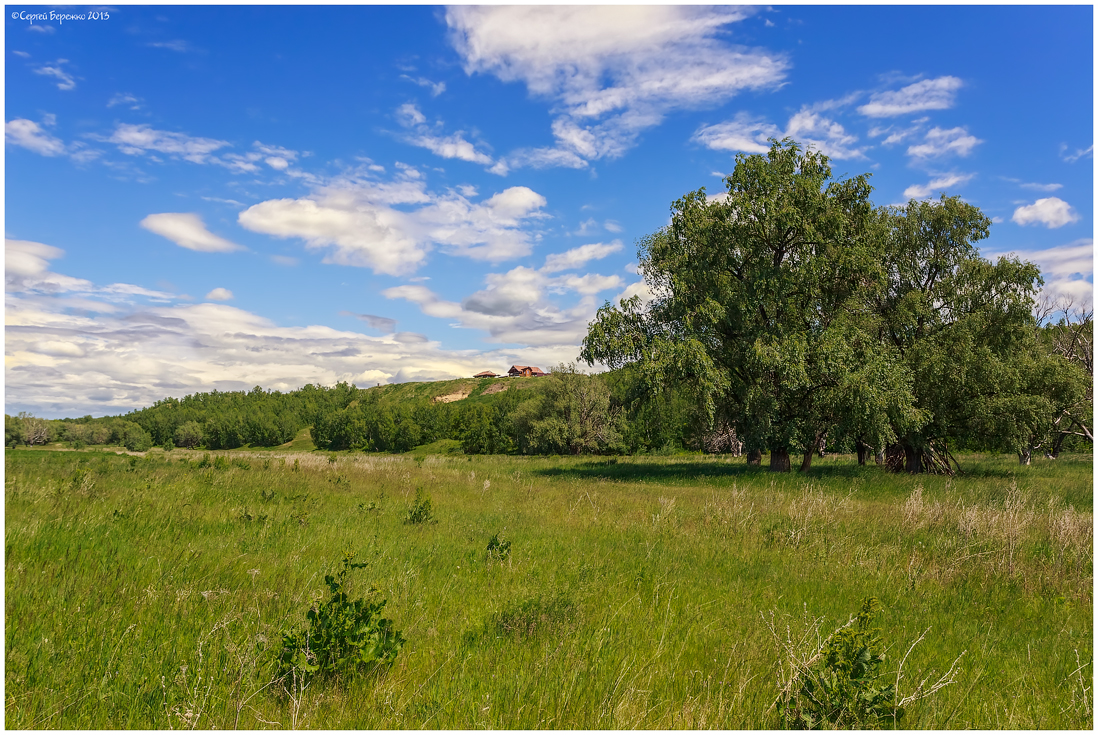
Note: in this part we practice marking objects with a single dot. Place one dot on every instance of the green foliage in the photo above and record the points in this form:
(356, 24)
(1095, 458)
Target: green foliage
(341, 636)
(498, 549)
(188, 435)
(572, 415)
(843, 688)
(136, 439)
(421, 511)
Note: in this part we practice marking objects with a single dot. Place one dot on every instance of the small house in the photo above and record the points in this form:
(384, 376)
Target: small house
(524, 371)
(486, 374)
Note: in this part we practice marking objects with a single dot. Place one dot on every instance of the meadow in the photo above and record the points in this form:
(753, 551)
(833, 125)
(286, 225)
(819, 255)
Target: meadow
(152, 591)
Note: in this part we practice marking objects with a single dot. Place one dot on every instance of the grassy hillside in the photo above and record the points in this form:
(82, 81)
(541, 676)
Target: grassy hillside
(473, 389)
(638, 592)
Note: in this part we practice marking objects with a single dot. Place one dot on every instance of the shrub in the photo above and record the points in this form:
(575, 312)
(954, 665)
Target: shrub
(341, 636)
(421, 511)
(136, 439)
(498, 549)
(841, 686)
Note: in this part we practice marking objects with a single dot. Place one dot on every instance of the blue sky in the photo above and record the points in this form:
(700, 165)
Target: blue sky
(204, 198)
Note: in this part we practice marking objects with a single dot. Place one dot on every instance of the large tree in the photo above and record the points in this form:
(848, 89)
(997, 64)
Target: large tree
(965, 330)
(762, 304)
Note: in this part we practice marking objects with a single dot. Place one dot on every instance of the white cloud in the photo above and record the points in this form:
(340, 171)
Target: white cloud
(1077, 154)
(357, 221)
(187, 230)
(115, 351)
(1068, 270)
(578, 257)
(137, 140)
(409, 114)
(514, 306)
(929, 94)
(21, 54)
(1033, 186)
(26, 270)
(1051, 212)
(611, 71)
(177, 45)
(810, 129)
(28, 134)
(134, 103)
(436, 88)
(24, 259)
(220, 294)
(920, 191)
(65, 80)
(285, 260)
(742, 133)
(445, 146)
(47, 29)
(940, 142)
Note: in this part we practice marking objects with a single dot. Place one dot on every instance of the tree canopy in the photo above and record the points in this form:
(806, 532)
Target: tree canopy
(795, 309)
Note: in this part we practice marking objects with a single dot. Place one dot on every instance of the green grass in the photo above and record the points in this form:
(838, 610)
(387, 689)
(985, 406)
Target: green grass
(150, 592)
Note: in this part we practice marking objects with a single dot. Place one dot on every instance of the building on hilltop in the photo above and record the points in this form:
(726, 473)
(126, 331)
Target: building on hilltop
(525, 371)
(486, 374)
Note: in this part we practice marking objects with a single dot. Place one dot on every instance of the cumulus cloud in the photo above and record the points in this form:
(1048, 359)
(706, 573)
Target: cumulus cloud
(1051, 212)
(517, 306)
(26, 271)
(356, 220)
(78, 348)
(65, 80)
(187, 230)
(220, 294)
(808, 127)
(928, 94)
(939, 142)
(610, 71)
(1068, 270)
(946, 181)
(28, 134)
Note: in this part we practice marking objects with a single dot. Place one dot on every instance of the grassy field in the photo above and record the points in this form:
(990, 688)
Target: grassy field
(151, 592)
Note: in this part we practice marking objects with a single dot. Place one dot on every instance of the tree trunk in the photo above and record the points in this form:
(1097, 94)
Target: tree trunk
(806, 463)
(779, 460)
(879, 457)
(913, 460)
(863, 452)
(754, 458)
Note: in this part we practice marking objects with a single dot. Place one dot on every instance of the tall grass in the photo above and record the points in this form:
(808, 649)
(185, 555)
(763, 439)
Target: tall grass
(152, 591)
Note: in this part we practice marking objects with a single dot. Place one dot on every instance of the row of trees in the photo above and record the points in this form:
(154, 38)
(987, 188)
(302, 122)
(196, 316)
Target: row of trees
(793, 310)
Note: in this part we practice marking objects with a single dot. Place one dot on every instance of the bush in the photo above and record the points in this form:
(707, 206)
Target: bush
(136, 439)
(498, 549)
(421, 511)
(341, 636)
(841, 686)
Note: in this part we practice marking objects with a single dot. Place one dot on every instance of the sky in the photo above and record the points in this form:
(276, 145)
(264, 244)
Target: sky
(209, 198)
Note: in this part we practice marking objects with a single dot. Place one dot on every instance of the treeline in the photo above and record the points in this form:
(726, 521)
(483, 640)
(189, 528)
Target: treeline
(565, 413)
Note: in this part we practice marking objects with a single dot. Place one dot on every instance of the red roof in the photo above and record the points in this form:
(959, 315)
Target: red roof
(486, 374)
(520, 369)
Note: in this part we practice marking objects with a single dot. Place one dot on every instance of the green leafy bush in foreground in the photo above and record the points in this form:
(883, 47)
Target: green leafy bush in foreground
(342, 636)
(843, 687)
